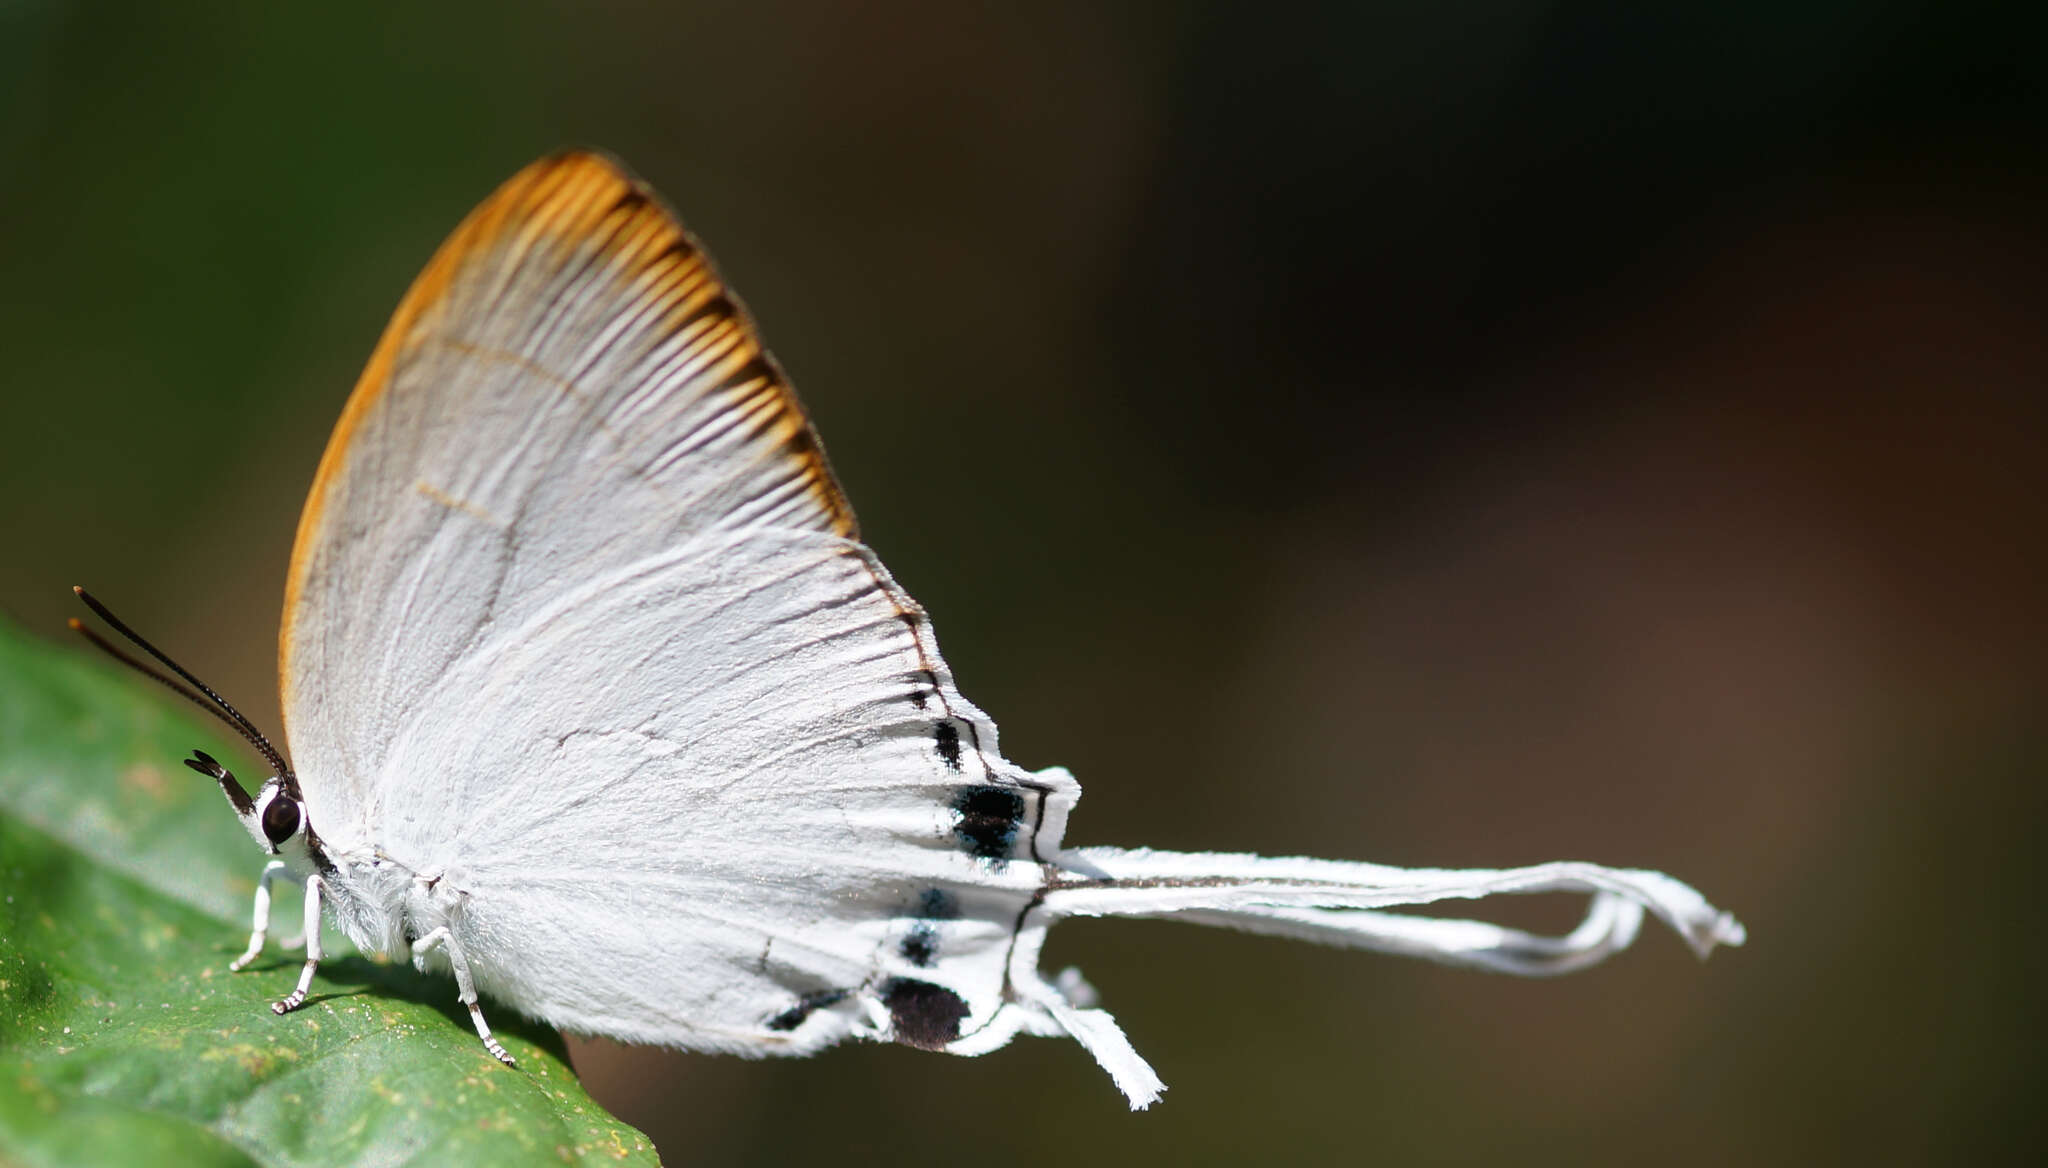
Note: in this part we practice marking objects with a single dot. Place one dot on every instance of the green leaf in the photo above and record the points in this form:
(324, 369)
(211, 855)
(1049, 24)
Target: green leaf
(124, 891)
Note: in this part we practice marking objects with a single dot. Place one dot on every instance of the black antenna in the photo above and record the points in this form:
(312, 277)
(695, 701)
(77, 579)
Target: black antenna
(206, 765)
(212, 702)
(104, 646)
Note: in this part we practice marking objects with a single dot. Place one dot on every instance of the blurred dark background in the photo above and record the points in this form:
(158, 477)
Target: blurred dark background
(1434, 434)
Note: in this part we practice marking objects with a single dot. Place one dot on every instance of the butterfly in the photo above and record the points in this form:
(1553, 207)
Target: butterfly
(597, 701)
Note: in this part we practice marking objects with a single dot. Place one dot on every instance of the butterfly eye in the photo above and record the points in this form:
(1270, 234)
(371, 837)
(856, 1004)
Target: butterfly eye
(281, 819)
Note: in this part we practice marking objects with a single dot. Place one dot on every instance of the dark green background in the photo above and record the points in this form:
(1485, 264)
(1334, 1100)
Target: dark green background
(1435, 434)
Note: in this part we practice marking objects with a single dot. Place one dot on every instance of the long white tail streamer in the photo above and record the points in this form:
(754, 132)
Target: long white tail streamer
(1335, 903)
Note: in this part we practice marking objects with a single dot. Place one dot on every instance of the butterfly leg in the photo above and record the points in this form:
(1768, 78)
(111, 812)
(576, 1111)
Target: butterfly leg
(274, 870)
(465, 988)
(297, 997)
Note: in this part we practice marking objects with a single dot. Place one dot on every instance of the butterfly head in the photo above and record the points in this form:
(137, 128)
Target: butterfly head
(279, 815)
(275, 817)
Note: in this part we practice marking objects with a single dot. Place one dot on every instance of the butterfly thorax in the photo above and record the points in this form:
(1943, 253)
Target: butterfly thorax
(376, 902)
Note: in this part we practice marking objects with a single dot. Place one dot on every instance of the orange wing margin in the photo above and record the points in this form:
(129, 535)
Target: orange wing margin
(578, 195)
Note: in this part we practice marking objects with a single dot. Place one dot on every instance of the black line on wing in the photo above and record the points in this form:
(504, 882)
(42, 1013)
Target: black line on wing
(805, 1006)
(719, 304)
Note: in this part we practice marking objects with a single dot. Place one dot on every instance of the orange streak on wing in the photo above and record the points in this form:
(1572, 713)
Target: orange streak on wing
(566, 196)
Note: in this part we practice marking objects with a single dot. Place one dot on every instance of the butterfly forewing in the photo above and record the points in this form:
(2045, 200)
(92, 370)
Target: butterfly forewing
(698, 733)
(569, 349)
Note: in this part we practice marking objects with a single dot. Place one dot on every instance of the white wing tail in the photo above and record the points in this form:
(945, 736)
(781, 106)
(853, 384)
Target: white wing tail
(1336, 902)
(1330, 901)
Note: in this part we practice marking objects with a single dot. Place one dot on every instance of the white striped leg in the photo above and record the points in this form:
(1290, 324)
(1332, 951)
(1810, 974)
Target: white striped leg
(297, 997)
(274, 870)
(465, 988)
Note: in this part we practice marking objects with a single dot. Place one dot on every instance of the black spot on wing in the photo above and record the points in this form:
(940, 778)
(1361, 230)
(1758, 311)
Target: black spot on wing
(805, 1006)
(989, 817)
(920, 945)
(938, 905)
(947, 735)
(925, 1016)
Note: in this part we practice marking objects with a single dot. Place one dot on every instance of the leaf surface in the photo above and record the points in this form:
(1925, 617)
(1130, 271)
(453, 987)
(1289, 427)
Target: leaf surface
(125, 884)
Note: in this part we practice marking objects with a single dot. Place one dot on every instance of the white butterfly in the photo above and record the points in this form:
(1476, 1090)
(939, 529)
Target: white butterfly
(597, 698)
